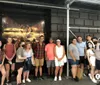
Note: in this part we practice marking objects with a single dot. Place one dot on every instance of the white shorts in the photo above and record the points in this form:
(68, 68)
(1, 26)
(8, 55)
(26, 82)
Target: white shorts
(92, 60)
(59, 63)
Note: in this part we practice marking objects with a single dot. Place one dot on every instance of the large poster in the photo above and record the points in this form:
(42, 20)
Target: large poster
(22, 27)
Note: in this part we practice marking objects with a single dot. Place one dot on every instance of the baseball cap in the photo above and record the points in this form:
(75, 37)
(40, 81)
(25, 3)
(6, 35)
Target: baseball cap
(58, 40)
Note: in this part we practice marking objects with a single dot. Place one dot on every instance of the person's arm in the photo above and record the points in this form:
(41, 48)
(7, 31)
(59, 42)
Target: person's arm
(72, 55)
(4, 49)
(33, 59)
(85, 49)
(3, 58)
(88, 56)
(55, 53)
(46, 47)
(19, 56)
(63, 54)
(13, 53)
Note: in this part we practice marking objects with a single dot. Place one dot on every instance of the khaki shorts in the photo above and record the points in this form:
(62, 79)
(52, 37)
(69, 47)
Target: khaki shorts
(39, 62)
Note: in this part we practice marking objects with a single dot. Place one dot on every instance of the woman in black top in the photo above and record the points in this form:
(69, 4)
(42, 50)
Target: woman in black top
(2, 69)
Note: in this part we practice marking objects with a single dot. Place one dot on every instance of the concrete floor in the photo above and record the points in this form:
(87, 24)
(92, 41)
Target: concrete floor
(46, 81)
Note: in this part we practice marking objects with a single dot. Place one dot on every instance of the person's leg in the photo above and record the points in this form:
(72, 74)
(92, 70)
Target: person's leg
(48, 67)
(99, 71)
(87, 66)
(41, 63)
(82, 66)
(92, 71)
(36, 67)
(36, 71)
(56, 73)
(96, 71)
(7, 66)
(48, 71)
(52, 67)
(24, 75)
(13, 67)
(24, 71)
(92, 74)
(52, 71)
(56, 70)
(27, 74)
(29, 68)
(60, 73)
(40, 70)
(3, 72)
(74, 71)
(82, 60)
(19, 75)
(61, 70)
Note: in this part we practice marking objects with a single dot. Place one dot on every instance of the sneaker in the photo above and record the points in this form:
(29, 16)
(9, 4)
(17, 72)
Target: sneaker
(94, 81)
(23, 81)
(90, 76)
(41, 78)
(35, 78)
(55, 79)
(76, 79)
(19, 84)
(84, 75)
(8, 83)
(28, 80)
(60, 78)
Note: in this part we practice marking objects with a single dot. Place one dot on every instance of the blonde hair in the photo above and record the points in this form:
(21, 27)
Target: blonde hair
(26, 43)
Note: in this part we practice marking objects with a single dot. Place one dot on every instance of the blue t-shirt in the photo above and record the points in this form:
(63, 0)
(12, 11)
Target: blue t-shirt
(81, 46)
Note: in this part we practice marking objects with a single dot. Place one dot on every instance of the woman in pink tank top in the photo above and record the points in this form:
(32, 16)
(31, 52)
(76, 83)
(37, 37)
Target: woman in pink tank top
(10, 51)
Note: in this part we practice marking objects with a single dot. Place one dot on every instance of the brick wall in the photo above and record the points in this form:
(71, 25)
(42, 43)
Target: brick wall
(82, 18)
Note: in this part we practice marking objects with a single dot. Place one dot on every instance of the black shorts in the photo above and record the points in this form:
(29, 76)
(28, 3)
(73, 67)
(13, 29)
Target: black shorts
(7, 62)
(86, 62)
(97, 64)
(82, 60)
(19, 65)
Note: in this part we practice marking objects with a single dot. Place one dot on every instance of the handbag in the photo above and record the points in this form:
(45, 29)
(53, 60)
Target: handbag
(80, 73)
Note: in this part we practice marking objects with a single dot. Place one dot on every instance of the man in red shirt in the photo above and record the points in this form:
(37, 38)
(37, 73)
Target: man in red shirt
(49, 54)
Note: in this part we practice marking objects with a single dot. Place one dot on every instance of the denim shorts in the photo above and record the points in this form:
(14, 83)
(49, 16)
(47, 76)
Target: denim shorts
(27, 64)
(72, 62)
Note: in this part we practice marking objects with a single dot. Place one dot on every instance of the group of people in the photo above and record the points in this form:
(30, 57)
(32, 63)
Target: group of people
(84, 54)
(22, 55)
